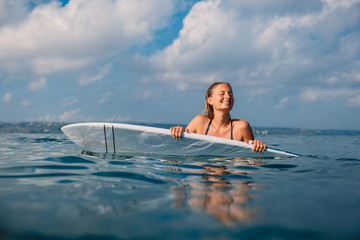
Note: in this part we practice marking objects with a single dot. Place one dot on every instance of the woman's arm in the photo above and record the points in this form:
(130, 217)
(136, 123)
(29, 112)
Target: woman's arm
(193, 127)
(246, 135)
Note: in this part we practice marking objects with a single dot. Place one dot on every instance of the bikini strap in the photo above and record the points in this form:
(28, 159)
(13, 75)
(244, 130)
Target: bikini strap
(231, 128)
(208, 127)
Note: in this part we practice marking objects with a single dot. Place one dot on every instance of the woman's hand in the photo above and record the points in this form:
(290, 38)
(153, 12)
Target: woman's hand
(258, 146)
(177, 131)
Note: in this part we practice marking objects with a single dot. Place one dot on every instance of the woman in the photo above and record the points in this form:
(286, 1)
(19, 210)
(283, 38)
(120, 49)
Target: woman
(219, 101)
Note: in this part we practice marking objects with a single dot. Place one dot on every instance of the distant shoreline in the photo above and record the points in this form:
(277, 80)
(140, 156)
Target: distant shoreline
(31, 127)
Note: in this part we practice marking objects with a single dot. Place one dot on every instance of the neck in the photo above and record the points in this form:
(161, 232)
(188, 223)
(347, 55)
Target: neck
(221, 118)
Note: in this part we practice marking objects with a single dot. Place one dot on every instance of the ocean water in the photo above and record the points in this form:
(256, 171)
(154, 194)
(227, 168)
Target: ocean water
(49, 189)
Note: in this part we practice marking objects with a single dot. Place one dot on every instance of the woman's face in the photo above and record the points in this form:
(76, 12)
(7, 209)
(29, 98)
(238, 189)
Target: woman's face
(222, 97)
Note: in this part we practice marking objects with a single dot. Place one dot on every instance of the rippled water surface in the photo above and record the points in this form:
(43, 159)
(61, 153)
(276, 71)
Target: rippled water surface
(49, 189)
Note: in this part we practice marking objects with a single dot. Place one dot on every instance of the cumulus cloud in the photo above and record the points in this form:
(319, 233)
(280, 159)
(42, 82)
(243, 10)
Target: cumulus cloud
(282, 103)
(25, 103)
(352, 96)
(146, 95)
(256, 92)
(259, 44)
(354, 101)
(312, 95)
(68, 101)
(100, 75)
(118, 118)
(193, 56)
(46, 65)
(105, 98)
(7, 97)
(12, 11)
(68, 116)
(75, 115)
(55, 38)
(37, 84)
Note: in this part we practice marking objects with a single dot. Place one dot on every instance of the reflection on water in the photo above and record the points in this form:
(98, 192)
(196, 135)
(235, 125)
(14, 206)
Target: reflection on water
(216, 194)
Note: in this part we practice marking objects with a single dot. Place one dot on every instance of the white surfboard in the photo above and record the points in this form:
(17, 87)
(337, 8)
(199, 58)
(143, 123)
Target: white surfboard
(117, 138)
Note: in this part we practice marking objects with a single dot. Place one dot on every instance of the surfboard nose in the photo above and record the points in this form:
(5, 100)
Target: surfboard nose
(69, 127)
(66, 129)
(63, 129)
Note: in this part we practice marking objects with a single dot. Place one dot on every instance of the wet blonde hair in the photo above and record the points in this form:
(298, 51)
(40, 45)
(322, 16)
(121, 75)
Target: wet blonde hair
(208, 109)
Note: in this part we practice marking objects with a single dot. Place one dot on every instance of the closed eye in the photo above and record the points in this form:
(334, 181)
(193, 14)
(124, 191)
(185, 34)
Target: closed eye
(223, 93)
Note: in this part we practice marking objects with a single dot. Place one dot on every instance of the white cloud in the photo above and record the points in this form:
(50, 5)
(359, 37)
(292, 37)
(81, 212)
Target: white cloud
(38, 84)
(75, 115)
(339, 78)
(68, 101)
(352, 96)
(259, 44)
(145, 95)
(282, 103)
(53, 38)
(68, 116)
(197, 50)
(46, 118)
(100, 75)
(256, 92)
(49, 65)
(25, 103)
(12, 11)
(7, 97)
(118, 118)
(105, 98)
(354, 101)
(313, 95)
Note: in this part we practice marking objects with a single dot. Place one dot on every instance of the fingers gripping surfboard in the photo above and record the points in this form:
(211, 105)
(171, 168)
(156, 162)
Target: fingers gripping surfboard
(117, 138)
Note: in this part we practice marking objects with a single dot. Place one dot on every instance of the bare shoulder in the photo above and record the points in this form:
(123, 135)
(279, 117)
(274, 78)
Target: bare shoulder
(198, 124)
(241, 124)
(201, 118)
(242, 130)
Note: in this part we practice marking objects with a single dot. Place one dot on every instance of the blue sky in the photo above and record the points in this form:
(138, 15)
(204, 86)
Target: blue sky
(291, 63)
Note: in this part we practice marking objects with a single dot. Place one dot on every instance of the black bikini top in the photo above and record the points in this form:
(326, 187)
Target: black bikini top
(231, 127)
